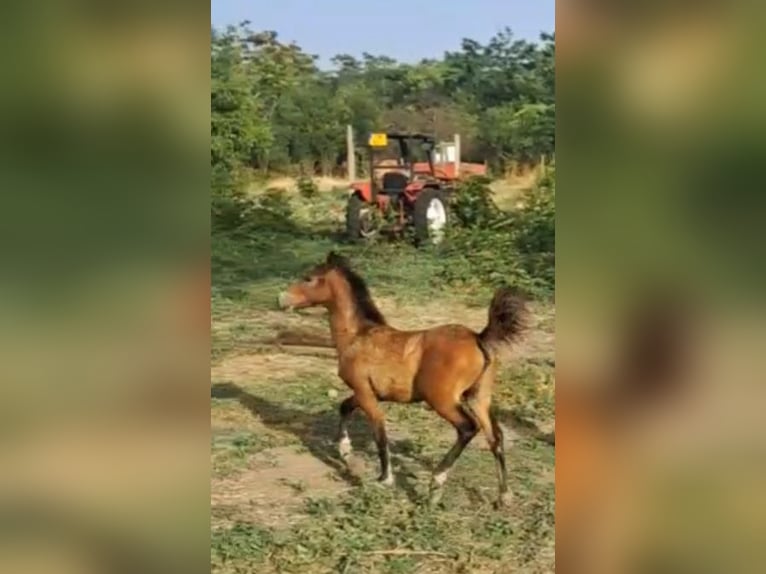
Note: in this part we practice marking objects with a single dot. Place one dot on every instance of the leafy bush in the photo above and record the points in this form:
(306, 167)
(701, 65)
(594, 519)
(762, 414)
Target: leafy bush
(307, 187)
(535, 232)
(486, 247)
(272, 212)
(255, 240)
(233, 210)
(491, 246)
(228, 203)
(472, 204)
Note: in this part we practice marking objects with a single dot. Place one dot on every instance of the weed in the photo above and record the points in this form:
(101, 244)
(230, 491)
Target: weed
(243, 544)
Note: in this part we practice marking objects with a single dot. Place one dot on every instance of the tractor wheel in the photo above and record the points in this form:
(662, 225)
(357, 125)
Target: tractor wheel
(429, 216)
(360, 223)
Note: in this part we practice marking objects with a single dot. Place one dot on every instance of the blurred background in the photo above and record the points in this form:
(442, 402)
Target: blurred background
(104, 440)
(104, 293)
(660, 278)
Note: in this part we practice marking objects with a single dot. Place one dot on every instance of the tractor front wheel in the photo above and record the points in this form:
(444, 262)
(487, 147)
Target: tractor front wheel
(360, 221)
(429, 216)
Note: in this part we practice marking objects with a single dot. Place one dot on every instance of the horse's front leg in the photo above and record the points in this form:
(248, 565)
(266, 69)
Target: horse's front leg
(347, 408)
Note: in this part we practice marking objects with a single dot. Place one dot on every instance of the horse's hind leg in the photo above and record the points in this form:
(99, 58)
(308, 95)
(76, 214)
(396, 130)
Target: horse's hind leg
(488, 422)
(466, 428)
(347, 408)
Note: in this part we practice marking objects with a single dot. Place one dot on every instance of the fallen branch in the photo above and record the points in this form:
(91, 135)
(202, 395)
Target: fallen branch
(299, 343)
(405, 552)
(303, 339)
(319, 352)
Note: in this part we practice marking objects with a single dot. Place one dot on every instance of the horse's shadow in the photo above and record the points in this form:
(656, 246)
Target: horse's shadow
(317, 432)
(524, 427)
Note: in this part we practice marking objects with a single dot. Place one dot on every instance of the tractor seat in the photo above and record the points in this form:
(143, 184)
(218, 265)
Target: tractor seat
(394, 182)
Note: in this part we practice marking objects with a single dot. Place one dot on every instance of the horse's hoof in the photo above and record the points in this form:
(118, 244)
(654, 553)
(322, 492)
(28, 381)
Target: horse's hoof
(504, 500)
(386, 480)
(435, 496)
(344, 448)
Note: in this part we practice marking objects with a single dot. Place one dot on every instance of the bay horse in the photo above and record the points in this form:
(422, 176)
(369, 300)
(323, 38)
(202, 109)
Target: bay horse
(450, 367)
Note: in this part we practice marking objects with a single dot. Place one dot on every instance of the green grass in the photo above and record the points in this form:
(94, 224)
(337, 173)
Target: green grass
(287, 404)
(464, 533)
(251, 266)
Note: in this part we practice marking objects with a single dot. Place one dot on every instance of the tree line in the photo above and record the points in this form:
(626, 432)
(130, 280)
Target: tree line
(273, 109)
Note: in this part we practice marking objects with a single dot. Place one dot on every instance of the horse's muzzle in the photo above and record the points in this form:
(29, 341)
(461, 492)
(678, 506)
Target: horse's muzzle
(283, 300)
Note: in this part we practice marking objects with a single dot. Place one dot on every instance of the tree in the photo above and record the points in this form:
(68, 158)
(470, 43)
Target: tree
(273, 109)
(237, 128)
(522, 133)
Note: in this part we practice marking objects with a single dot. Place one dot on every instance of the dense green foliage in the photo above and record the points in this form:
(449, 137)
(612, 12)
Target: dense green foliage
(281, 234)
(489, 245)
(275, 110)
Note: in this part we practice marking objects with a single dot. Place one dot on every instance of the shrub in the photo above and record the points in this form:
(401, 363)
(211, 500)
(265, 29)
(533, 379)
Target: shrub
(233, 211)
(491, 246)
(472, 204)
(228, 201)
(307, 188)
(272, 212)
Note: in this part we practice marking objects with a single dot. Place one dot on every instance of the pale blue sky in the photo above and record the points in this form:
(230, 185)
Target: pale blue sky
(407, 30)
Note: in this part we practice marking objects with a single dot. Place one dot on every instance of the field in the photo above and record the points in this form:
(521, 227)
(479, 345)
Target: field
(281, 499)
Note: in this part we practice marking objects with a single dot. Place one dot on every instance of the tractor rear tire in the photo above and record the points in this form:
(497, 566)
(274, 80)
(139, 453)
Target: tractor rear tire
(430, 216)
(358, 219)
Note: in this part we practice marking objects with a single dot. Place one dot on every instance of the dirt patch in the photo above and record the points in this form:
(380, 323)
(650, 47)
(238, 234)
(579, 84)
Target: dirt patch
(547, 476)
(274, 490)
(264, 367)
(259, 321)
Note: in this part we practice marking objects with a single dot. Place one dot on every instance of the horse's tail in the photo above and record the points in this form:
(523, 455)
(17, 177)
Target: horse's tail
(507, 318)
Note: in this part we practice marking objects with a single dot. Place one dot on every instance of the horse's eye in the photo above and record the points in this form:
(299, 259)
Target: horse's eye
(308, 279)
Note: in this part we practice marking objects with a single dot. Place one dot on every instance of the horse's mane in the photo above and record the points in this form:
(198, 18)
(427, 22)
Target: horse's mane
(360, 294)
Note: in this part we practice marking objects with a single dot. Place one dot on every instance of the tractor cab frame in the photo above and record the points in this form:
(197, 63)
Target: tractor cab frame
(409, 191)
(407, 172)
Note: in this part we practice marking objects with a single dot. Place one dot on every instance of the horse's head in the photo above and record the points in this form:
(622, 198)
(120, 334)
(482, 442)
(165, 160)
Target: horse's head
(315, 288)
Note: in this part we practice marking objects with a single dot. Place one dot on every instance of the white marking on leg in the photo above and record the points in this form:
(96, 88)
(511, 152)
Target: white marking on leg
(440, 479)
(389, 480)
(344, 446)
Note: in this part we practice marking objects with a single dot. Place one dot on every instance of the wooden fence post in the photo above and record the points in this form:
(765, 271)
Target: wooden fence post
(350, 154)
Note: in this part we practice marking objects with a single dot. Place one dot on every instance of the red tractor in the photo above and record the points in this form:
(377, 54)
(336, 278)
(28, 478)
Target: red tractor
(402, 190)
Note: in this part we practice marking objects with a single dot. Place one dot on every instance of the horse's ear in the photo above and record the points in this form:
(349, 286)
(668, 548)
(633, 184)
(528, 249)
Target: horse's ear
(336, 260)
